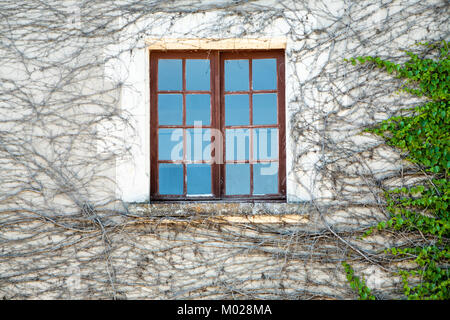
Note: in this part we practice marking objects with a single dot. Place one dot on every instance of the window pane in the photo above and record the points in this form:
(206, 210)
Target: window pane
(237, 109)
(237, 179)
(237, 144)
(198, 144)
(197, 74)
(198, 179)
(170, 144)
(265, 108)
(265, 143)
(264, 74)
(236, 75)
(170, 74)
(198, 108)
(170, 109)
(265, 178)
(170, 178)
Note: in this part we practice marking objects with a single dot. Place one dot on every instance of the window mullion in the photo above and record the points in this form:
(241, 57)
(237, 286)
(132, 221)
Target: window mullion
(217, 123)
(250, 96)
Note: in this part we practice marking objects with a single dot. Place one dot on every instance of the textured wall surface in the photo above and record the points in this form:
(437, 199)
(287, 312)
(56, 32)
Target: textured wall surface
(74, 136)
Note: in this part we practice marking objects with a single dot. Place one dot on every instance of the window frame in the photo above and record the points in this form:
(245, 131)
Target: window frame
(217, 91)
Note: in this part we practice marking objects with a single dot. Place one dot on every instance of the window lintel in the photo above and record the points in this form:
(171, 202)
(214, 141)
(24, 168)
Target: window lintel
(216, 44)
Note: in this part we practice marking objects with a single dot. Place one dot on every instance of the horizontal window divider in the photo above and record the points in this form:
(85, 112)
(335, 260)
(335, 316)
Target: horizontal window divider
(254, 126)
(186, 161)
(184, 91)
(250, 92)
(210, 162)
(250, 161)
(165, 126)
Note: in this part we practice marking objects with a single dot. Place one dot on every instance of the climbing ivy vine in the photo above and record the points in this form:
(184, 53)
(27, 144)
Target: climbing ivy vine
(424, 135)
(357, 284)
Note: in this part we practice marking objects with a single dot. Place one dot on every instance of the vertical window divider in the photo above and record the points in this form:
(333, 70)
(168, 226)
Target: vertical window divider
(221, 99)
(183, 77)
(216, 168)
(250, 96)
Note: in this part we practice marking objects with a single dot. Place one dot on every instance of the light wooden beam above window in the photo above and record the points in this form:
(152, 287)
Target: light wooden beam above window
(216, 44)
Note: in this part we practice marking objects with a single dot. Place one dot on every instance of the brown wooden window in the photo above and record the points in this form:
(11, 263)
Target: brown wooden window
(217, 125)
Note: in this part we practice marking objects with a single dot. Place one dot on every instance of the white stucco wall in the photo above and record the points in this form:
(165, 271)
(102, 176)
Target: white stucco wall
(52, 232)
(133, 171)
(309, 51)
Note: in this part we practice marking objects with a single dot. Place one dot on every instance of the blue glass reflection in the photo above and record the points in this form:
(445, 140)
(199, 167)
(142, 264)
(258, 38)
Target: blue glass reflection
(264, 74)
(170, 109)
(265, 108)
(236, 75)
(197, 74)
(265, 178)
(170, 178)
(170, 144)
(198, 144)
(265, 143)
(237, 109)
(170, 74)
(198, 179)
(237, 179)
(237, 144)
(198, 108)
